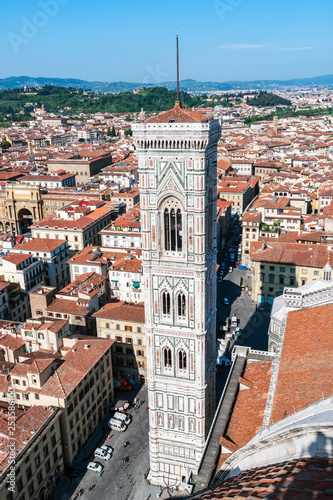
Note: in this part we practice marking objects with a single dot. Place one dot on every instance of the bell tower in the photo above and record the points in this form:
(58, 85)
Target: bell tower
(177, 155)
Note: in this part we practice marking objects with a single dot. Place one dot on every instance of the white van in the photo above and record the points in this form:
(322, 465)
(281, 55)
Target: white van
(117, 425)
(123, 417)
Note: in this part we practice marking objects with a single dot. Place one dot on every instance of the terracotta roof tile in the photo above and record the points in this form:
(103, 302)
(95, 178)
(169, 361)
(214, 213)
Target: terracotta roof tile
(179, 115)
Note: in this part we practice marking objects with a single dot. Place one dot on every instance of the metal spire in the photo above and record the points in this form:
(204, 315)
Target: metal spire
(178, 104)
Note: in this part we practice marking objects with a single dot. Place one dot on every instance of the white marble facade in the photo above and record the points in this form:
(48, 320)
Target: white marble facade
(177, 169)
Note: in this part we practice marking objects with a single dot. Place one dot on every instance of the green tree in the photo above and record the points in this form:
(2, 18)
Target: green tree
(113, 132)
(108, 133)
(5, 144)
(128, 132)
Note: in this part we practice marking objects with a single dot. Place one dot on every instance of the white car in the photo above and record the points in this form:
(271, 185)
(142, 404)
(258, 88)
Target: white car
(230, 269)
(109, 449)
(95, 467)
(102, 454)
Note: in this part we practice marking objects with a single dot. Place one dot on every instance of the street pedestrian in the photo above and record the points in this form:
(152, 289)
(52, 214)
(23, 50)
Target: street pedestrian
(147, 407)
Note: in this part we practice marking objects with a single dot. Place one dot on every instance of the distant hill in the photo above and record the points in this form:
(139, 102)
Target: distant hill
(187, 85)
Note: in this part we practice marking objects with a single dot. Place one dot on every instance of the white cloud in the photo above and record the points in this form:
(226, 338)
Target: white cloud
(293, 49)
(242, 46)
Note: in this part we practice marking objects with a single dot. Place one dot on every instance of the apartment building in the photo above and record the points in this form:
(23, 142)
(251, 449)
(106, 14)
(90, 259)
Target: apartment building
(83, 164)
(58, 180)
(15, 304)
(79, 383)
(242, 167)
(44, 334)
(250, 232)
(124, 233)
(126, 279)
(264, 168)
(77, 302)
(39, 464)
(91, 259)
(238, 192)
(24, 269)
(128, 198)
(279, 264)
(79, 223)
(54, 253)
(124, 323)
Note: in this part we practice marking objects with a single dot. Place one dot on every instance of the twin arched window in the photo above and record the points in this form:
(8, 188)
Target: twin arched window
(181, 304)
(182, 359)
(173, 227)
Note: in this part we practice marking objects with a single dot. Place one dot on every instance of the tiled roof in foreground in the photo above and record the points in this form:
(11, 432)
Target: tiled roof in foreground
(303, 479)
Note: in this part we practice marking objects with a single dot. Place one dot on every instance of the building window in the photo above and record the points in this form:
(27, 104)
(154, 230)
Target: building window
(304, 271)
(129, 340)
(173, 229)
(271, 278)
(181, 305)
(292, 280)
(128, 328)
(167, 357)
(292, 269)
(166, 304)
(119, 339)
(182, 362)
(281, 280)
(282, 269)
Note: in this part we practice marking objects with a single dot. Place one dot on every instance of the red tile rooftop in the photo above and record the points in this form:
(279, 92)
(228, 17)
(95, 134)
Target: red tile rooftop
(308, 342)
(303, 479)
(40, 245)
(179, 115)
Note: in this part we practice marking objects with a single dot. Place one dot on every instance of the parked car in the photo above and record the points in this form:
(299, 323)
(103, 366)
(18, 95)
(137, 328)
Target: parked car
(109, 449)
(226, 301)
(95, 467)
(244, 268)
(230, 269)
(102, 454)
(117, 425)
(123, 417)
(120, 405)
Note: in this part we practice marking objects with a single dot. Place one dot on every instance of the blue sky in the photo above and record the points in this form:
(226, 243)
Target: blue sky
(134, 40)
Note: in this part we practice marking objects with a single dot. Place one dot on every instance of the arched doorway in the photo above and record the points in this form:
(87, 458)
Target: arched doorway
(24, 220)
(1, 227)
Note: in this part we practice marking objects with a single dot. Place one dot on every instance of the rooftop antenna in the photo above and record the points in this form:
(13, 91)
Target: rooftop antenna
(178, 104)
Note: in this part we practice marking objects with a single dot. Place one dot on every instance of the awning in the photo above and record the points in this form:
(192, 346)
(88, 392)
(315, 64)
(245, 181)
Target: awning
(114, 281)
(136, 284)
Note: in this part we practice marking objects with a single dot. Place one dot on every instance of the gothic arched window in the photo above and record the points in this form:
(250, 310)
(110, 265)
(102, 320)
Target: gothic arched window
(167, 357)
(181, 305)
(166, 302)
(173, 227)
(182, 360)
